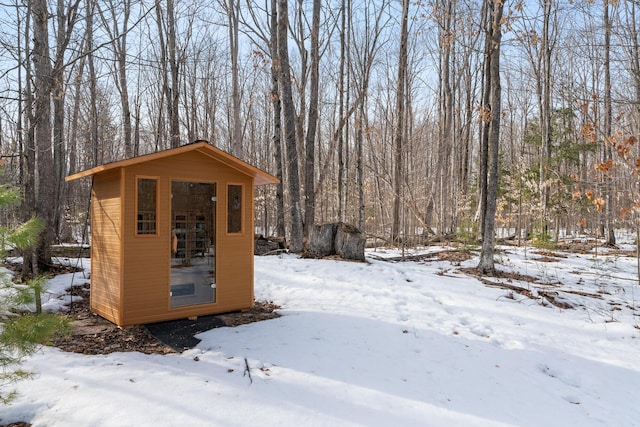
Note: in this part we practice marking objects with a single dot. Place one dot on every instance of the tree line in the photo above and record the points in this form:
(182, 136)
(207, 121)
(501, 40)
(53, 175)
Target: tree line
(409, 119)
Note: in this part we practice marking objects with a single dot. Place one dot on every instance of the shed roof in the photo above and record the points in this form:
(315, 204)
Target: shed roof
(260, 177)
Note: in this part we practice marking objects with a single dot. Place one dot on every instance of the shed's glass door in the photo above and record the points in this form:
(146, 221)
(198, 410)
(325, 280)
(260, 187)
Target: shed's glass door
(193, 243)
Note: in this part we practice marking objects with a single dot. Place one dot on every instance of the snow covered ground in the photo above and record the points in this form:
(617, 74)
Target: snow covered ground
(379, 344)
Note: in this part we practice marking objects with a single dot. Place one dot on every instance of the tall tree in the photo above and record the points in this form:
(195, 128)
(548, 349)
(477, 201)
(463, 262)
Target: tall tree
(170, 70)
(365, 54)
(46, 177)
(28, 165)
(341, 106)
(173, 93)
(399, 129)
(610, 238)
(494, 34)
(296, 243)
(485, 122)
(67, 18)
(264, 36)
(117, 26)
(277, 118)
(445, 16)
(632, 34)
(312, 123)
(232, 8)
(545, 111)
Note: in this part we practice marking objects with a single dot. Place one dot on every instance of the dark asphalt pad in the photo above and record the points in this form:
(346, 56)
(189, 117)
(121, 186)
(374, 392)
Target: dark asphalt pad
(179, 334)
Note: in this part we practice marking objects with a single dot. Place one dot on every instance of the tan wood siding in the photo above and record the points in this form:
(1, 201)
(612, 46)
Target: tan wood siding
(105, 246)
(131, 273)
(147, 258)
(235, 258)
(202, 147)
(145, 283)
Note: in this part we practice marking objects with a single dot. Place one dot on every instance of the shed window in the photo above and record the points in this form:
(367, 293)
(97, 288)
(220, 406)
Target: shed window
(234, 208)
(147, 205)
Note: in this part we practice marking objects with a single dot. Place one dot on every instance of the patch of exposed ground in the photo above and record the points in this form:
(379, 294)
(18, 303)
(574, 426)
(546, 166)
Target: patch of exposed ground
(451, 255)
(92, 334)
(541, 291)
(548, 256)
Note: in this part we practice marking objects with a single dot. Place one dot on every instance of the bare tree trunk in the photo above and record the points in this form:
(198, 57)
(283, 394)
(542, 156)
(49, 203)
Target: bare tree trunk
(485, 121)
(170, 73)
(66, 22)
(609, 185)
(123, 86)
(233, 10)
(486, 265)
(277, 128)
(119, 44)
(399, 131)
(74, 186)
(341, 108)
(296, 243)
(73, 127)
(310, 143)
(360, 161)
(45, 180)
(93, 90)
(300, 81)
(366, 58)
(634, 59)
(347, 104)
(467, 119)
(545, 117)
(446, 111)
(173, 93)
(59, 157)
(28, 143)
(29, 151)
(21, 119)
(164, 74)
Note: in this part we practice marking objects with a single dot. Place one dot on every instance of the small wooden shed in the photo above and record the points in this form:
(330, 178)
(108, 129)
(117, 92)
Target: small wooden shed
(172, 234)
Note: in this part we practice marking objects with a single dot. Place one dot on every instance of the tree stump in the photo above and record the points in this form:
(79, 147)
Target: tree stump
(349, 242)
(321, 240)
(337, 238)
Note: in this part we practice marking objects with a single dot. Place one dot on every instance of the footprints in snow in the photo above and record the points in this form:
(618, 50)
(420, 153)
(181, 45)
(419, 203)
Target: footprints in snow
(564, 378)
